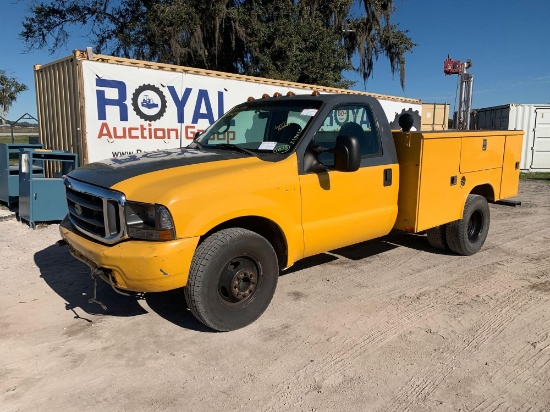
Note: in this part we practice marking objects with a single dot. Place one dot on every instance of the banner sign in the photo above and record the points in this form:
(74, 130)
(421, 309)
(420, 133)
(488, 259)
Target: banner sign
(130, 110)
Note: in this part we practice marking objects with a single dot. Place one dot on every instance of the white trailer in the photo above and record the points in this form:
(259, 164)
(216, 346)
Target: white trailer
(102, 106)
(534, 119)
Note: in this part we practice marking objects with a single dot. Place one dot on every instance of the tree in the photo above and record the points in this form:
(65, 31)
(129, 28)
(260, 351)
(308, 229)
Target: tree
(9, 89)
(310, 41)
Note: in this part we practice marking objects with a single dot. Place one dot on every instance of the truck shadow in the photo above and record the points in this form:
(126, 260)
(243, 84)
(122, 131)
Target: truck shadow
(417, 241)
(172, 307)
(71, 280)
(391, 241)
(368, 249)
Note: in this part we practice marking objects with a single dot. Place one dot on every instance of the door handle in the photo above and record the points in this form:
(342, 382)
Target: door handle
(388, 177)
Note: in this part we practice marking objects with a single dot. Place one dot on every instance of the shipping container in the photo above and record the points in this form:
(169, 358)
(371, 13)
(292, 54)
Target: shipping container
(104, 107)
(435, 116)
(534, 119)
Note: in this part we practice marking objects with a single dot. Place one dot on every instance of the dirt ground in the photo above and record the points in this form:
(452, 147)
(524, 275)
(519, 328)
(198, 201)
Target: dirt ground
(386, 325)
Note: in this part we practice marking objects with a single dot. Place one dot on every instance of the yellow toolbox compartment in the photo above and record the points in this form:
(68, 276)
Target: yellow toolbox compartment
(438, 170)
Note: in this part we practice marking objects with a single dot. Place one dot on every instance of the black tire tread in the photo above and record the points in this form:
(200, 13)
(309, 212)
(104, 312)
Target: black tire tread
(204, 253)
(456, 233)
(199, 269)
(437, 237)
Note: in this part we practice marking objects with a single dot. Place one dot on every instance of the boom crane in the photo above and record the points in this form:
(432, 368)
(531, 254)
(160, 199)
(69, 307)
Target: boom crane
(465, 89)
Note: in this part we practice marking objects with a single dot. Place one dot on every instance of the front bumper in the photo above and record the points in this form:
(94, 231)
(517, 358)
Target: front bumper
(135, 265)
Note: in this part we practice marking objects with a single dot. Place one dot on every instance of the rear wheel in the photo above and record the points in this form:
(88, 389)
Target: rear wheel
(467, 235)
(437, 237)
(232, 279)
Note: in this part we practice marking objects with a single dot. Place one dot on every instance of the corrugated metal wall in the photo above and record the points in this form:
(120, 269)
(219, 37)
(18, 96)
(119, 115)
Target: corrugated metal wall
(59, 108)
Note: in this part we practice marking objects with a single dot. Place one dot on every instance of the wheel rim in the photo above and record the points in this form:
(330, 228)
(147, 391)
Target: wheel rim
(475, 225)
(238, 281)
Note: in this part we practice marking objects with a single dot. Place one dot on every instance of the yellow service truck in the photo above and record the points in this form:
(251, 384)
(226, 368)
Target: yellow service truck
(271, 182)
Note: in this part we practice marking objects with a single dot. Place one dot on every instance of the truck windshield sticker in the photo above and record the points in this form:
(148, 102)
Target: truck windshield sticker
(281, 148)
(267, 146)
(309, 112)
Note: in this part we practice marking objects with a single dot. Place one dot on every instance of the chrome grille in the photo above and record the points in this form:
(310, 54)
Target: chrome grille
(95, 211)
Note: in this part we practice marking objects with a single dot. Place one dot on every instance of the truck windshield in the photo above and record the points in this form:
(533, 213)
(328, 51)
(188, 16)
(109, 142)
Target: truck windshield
(268, 127)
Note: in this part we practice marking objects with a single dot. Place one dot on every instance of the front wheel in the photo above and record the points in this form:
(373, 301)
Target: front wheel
(467, 235)
(232, 279)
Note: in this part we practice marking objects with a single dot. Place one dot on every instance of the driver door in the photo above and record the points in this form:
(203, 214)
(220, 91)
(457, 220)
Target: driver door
(342, 208)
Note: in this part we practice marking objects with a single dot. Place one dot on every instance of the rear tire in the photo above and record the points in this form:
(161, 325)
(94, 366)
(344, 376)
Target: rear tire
(437, 237)
(232, 279)
(467, 235)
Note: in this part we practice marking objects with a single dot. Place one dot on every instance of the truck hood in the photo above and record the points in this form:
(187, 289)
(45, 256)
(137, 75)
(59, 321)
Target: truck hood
(109, 172)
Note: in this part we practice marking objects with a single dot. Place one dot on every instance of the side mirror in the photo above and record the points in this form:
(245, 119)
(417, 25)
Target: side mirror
(197, 135)
(347, 154)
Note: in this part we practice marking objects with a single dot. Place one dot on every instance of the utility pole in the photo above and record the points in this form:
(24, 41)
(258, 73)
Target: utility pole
(465, 90)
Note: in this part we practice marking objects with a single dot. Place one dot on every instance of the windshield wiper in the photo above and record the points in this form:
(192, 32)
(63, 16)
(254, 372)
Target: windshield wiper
(231, 146)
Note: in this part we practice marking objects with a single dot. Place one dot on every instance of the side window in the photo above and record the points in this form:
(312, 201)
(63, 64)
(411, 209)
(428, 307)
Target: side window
(356, 120)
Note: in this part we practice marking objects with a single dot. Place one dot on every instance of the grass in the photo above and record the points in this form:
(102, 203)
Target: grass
(16, 139)
(535, 176)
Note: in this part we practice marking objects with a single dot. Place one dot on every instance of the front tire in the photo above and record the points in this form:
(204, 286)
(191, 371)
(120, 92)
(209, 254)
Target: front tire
(467, 235)
(232, 279)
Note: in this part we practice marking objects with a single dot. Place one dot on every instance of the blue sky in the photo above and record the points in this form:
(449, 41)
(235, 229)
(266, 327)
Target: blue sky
(507, 42)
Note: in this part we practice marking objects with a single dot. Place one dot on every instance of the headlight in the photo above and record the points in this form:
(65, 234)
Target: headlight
(149, 221)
